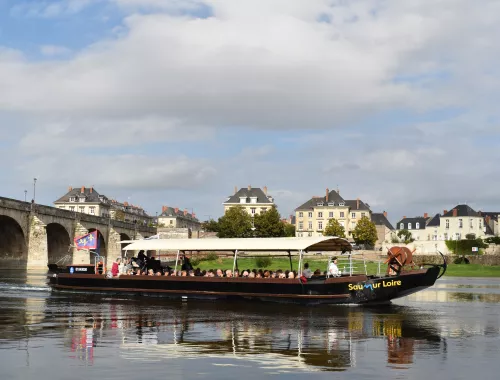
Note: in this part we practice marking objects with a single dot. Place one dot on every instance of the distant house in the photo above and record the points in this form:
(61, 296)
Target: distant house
(455, 224)
(176, 218)
(87, 200)
(384, 227)
(253, 200)
(415, 225)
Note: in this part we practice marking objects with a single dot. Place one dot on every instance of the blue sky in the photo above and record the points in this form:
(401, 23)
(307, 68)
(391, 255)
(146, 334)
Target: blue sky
(169, 102)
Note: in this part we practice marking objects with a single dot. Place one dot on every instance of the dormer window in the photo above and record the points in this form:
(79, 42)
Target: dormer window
(417, 225)
(253, 199)
(341, 204)
(243, 199)
(331, 203)
(72, 199)
(319, 204)
(81, 199)
(401, 226)
(409, 226)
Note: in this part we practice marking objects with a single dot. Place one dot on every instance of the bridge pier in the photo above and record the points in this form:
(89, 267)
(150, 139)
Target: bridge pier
(113, 245)
(80, 256)
(38, 255)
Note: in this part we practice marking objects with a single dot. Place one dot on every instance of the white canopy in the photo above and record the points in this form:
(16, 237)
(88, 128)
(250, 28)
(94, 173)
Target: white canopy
(323, 243)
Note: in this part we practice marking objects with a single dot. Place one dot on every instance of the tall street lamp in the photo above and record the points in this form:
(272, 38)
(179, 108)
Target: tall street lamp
(34, 189)
(25, 194)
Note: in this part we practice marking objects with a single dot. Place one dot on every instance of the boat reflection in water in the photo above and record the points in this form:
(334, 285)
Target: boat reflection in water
(272, 337)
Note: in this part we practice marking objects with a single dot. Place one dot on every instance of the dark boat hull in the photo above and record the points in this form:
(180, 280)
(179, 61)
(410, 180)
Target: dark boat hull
(359, 289)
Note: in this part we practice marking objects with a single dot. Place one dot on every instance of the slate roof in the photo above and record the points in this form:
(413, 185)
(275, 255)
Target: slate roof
(353, 205)
(90, 194)
(492, 215)
(419, 219)
(462, 210)
(435, 221)
(248, 193)
(169, 212)
(333, 196)
(380, 220)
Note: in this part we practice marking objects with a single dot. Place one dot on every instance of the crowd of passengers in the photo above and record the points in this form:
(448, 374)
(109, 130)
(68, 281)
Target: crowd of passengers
(130, 267)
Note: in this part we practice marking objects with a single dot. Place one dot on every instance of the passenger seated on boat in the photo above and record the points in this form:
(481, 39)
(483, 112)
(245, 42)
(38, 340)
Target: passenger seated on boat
(317, 273)
(191, 273)
(173, 274)
(251, 275)
(236, 273)
(273, 274)
(166, 273)
(158, 274)
(244, 274)
(267, 274)
(307, 273)
(183, 273)
(115, 267)
(197, 272)
(218, 273)
(333, 270)
(186, 265)
(151, 272)
(258, 275)
(291, 275)
(229, 273)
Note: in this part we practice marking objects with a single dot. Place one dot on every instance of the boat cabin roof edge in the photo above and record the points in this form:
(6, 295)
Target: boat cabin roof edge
(322, 243)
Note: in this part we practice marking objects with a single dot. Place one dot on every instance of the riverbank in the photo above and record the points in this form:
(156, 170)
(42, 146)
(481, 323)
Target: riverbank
(453, 270)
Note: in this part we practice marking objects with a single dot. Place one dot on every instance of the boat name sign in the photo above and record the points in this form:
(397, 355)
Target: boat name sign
(376, 285)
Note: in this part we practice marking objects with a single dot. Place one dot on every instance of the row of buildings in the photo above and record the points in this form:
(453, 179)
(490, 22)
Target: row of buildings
(310, 218)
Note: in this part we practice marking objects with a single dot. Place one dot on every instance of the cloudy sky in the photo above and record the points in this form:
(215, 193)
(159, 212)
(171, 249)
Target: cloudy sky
(175, 102)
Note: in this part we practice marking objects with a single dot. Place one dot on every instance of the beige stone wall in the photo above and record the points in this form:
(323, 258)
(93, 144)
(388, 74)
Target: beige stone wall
(259, 207)
(84, 208)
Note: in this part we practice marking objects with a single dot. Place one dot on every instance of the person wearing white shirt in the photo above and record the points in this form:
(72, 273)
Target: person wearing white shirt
(333, 269)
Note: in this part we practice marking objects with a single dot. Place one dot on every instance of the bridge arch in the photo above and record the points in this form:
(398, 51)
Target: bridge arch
(13, 248)
(58, 242)
(124, 236)
(101, 247)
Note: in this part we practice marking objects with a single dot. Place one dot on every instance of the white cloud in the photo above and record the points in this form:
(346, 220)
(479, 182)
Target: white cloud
(54, 50)
(170, 76)
(50, 9)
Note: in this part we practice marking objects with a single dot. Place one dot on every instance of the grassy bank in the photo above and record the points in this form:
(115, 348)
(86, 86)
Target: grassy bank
(454, 270)
(472, 270)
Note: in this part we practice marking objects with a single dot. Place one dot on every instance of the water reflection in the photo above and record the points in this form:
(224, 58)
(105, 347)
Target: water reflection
(273, 336)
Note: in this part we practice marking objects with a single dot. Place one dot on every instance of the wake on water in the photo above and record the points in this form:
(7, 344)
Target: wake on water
(23, 287)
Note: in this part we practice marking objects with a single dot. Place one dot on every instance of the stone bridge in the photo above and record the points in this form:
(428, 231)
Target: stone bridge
(33, 235)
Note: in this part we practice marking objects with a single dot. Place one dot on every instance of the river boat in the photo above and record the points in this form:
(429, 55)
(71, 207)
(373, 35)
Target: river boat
(354, 286)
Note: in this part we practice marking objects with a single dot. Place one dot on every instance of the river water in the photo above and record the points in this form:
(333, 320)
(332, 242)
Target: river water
(451, 331)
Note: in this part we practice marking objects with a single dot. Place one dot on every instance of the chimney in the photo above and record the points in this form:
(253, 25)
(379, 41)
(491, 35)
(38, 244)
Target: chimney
(265, 190)
(385, 214)
(479, 213)
(357, 203)
(82, 189)
(125, 204)
(163, 209)
(455, 212)
(177, 210)
(249, 187)
(70, 189)
(488, 218)
(235, 189)
(91, 189)
(445, 211)
(193, 215)
(185, 212)
(426, 215)
(404, 217)
(327, 192)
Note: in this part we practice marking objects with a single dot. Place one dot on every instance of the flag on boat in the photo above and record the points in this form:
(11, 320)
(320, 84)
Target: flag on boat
(88, 241)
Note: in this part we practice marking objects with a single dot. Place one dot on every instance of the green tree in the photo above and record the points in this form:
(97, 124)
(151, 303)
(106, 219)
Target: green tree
(210, 226)
(333, 228)
(289, 230)
(405, 236)
(464, 247)
(269, 224)
(236, 223)
(365, 232)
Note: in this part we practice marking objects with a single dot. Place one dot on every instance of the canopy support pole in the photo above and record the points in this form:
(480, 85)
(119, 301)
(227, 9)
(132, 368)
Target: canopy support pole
(235, 258)
(176, 261)
(290, 258)
(301, 252)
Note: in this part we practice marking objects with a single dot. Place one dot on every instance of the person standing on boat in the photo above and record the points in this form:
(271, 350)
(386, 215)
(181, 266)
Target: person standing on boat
(333, 269)
(115, 267)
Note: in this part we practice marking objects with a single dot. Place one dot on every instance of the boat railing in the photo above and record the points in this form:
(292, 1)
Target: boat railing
(355, 263)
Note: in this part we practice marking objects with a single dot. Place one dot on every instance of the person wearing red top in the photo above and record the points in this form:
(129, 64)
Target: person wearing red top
(115, 267)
